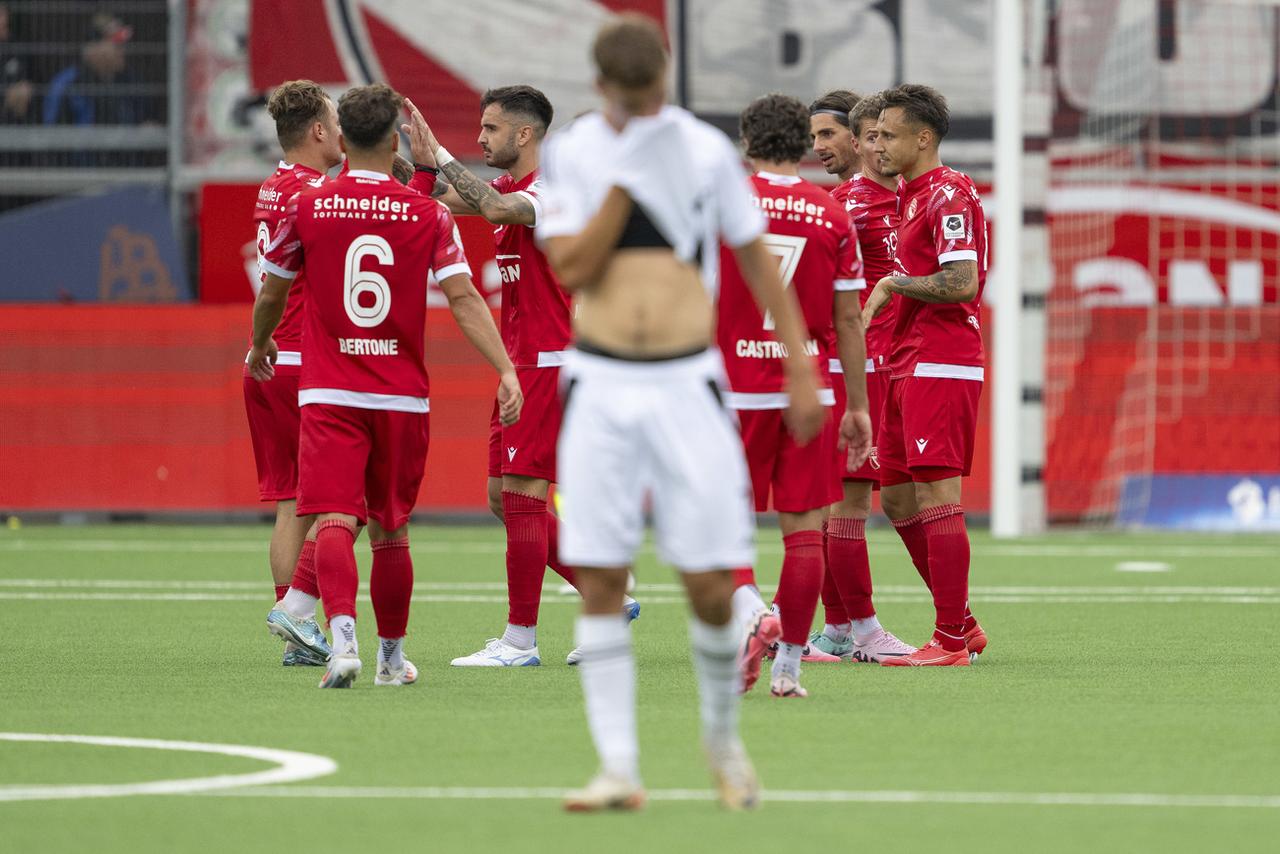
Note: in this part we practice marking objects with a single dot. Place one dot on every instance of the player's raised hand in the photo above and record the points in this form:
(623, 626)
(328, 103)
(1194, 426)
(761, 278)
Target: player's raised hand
(855, 436)
(422, 142)
(510, 398)
(805, 414)
(877, 301)
(262, 361)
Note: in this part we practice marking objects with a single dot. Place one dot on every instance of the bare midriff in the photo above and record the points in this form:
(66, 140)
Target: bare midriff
(648, 304)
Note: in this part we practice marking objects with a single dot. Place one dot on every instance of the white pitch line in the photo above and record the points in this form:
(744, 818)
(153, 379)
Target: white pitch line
(291, 767)
(553, 587)
(1112, 799)
(107, 596)
(771, 548)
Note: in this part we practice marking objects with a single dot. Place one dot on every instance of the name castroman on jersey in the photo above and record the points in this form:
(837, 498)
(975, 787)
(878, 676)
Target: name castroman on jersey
(769, 349)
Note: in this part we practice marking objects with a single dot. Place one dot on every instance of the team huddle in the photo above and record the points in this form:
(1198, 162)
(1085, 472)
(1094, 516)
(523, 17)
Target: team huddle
(679, 340)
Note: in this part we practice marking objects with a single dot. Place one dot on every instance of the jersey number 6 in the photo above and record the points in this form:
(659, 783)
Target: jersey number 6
(357, 282)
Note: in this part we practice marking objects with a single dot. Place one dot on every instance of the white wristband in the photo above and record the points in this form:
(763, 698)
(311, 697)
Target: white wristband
(443, 157)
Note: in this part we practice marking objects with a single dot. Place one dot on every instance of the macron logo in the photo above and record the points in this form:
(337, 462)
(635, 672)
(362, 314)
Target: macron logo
(511, 454)
(949, 191)
(920, 443)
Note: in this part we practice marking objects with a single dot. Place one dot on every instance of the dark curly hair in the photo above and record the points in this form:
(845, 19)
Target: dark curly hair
(922, 105)
(296, 105)
(368, 114)
(775, 128)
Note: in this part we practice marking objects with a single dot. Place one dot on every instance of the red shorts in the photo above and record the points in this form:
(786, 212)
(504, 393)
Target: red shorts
(802, 477)
(272, 408)
(528, 447)
(362, 462)
(877, 391)
(928, 425)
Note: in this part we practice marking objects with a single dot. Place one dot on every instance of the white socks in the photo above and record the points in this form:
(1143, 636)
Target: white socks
(788, 660)
(391, 652)
(746, 604)
(837, 633)
(344, 634)
(299, 604)
(521, 637)
(715, 660)
(862, 628)
(609, 685)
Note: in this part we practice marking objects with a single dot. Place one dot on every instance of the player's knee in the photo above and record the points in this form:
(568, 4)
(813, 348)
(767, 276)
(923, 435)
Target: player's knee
(494, 494)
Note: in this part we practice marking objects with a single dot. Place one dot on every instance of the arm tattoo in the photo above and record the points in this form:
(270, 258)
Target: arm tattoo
(439, 189)
(947, 285)
(491, 204)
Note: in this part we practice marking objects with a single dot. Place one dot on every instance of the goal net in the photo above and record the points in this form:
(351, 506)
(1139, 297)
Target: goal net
(1162, 360)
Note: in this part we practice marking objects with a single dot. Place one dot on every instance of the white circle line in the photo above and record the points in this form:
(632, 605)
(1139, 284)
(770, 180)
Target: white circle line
(291, 767)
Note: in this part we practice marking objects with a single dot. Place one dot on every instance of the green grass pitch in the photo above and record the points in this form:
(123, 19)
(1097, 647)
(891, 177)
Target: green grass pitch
(1147, 699)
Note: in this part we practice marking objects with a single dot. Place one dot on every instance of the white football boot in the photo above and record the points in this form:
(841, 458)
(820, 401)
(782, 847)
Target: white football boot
(499, 653)
(387, 675)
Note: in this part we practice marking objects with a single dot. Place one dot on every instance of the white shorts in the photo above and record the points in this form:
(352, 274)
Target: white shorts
(637, 431)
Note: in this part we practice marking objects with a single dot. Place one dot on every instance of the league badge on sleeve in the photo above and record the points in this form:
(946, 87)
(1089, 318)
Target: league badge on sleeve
(953, 226)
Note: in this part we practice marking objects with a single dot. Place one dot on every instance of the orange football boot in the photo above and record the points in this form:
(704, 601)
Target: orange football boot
(930, 655)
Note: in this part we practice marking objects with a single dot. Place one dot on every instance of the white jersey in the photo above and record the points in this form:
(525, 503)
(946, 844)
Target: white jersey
(684, 174)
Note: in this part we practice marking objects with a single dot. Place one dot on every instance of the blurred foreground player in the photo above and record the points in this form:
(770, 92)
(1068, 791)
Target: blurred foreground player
(307, 128)
(817, 251)
(852, 630)
(639, 197)
(931, 412)
(535, 330)
(367, 244)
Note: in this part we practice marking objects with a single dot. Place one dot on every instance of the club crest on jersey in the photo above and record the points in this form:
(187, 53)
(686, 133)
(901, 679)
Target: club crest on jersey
(873, 458)
(953, 226)
(911, 209)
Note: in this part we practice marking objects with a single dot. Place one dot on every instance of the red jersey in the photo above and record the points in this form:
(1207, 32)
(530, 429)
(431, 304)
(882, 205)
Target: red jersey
(367, 243)
(817, 250)
(535, 309)
(942, 221)
(875, 216)
(273, 200)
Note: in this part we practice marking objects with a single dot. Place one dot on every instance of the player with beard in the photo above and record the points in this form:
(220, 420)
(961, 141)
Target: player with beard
(852, 630)
(832, 138)
(535, 331)
(936, 363)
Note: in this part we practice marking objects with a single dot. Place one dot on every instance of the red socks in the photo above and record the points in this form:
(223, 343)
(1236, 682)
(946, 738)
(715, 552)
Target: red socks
(304, 574)
(391, 586)
(335, 558)
(744, 577)
(527, 550)
(848, 565)
(948, 547)
(797, 597)
(832, 607)
(911, 530)
(553, 551)
(281, 589)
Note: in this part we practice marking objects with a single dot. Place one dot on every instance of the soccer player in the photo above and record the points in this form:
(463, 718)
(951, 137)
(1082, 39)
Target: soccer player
(852, 630)
(931, 411)
(535, 330)
(368, 244)
(639, 196)
(832, 137)
(812, 237)
(307, 128)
